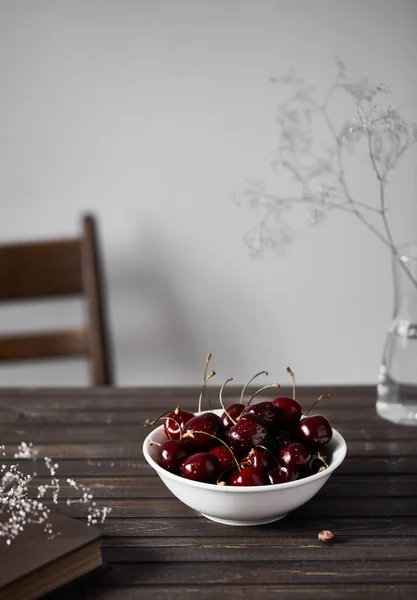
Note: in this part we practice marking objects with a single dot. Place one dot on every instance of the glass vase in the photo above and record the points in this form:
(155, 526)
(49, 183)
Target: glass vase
(397, 381)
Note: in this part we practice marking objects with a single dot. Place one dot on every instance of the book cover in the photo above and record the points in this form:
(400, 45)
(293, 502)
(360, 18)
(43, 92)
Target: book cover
(33, 565)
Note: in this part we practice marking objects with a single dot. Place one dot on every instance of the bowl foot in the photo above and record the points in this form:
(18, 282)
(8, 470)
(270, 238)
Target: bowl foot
(244, 523)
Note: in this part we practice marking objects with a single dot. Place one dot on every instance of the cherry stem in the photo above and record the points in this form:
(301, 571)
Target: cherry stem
(319, 399)
(191, 431)
(221, 400)
(220, 477)
(271, 385)
(271, 453)
(203, 389)
(322, 458)
(149, 423)
(242, 395)
(291, 374)
(208, 359)
(153, 443)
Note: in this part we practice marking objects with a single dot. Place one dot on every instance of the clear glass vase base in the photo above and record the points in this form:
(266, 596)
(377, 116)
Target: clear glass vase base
(397, 378)
(397, 412)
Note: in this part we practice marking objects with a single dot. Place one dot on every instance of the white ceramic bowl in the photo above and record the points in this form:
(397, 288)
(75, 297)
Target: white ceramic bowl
(245, 505)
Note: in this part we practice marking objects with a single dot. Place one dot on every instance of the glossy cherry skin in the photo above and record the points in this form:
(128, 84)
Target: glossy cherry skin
(248, 432)
(295, 454)
(291, 411)
(314, 431)
(260, 459)
(224, 455)
(202, 466)
(175, 421)
(283, 438)
(209, 423)
(267, 411)
(273, 447)
(248, 476)
(282, 474)
(171, 454)
(234, 410)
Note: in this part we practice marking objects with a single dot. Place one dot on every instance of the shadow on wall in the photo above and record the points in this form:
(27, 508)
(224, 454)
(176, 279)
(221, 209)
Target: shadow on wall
(154, 340)
(149, 324)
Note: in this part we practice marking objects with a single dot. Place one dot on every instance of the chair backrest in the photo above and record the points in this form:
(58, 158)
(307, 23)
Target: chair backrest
(66, 267)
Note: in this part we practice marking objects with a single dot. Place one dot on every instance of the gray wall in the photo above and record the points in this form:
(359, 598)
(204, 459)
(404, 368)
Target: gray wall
(152, 114)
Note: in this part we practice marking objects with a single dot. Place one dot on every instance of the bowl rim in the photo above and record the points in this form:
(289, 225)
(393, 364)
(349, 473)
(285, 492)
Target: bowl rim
(337, 437)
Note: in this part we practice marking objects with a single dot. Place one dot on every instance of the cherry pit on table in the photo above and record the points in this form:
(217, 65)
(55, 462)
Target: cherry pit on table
(156, 547)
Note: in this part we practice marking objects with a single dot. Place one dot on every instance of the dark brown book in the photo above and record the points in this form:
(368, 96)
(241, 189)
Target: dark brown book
(33, 565)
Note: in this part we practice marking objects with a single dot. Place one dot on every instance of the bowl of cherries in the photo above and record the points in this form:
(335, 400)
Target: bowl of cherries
(249, 463)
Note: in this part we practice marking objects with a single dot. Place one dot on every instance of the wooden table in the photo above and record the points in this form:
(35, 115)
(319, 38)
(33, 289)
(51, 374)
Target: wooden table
(157, 548)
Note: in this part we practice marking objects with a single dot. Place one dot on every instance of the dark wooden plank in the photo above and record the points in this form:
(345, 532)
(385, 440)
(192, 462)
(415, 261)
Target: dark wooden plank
(43, 345)
(150, 486)
(224, 552)
(304, 543)
(79, 416)
(28, 410)
(255, 591)
(34, 269)
(105, 428)
(134, 425)
(110, 450)
(68, 434)
(64, 448)
(92, 466)
(292, 526)
(377, 464)
(156, 398)
(108, 467)
(322, 572)
(317, 507)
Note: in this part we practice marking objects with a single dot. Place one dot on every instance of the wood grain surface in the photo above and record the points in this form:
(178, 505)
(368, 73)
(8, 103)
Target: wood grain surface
(157, 548)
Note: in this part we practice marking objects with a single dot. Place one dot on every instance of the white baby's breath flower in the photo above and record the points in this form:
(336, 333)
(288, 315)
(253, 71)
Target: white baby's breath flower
(18, 505)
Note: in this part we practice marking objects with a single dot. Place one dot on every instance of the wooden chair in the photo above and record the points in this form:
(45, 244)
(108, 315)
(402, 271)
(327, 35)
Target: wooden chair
(64, 267)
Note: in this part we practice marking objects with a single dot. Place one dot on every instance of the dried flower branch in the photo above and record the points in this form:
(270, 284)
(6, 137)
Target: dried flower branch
(19, 508)
(318, 170)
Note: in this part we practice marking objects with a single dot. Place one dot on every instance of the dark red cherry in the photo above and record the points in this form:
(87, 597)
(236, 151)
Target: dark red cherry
(224, 455)
(175, 421)
(234, 411)
(314, 431)
(202, 466)
(208, 423)
(171, 454)
(248, 476)
(291, 411)
(248, 432)
(295, 454)
(282, 474)
(273, 447)
(283, 438)
(259, 458)
(267, 411)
